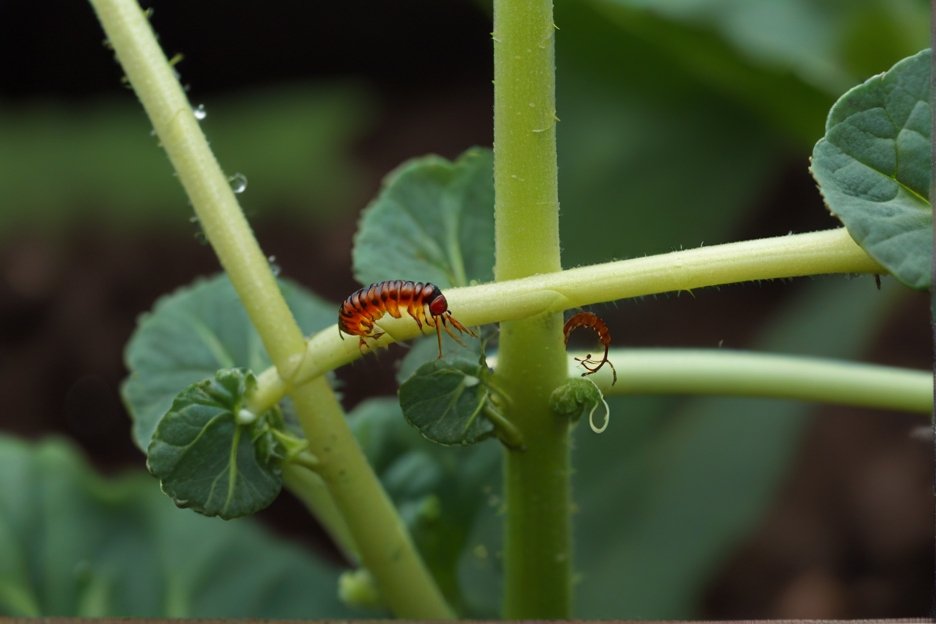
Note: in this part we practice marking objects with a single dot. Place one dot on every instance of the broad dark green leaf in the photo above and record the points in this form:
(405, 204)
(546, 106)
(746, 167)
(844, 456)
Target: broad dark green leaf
(432, 222)
(684, 146)
(445, 401)
(77, 545)
(781, 59)
(633, 152)
(873, 168)
(207, 458)
(439, 491)
(193, 332)
(700, 56)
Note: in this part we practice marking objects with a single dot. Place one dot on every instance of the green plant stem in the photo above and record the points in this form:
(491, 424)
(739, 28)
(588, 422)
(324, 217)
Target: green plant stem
(309, 487)
(745, 373)
(537, 538)
(815, 253)
(382, 541)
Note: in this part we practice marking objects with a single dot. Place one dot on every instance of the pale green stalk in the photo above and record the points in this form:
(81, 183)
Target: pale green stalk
(309, 487)
(744, 373)
(382, 541)
(537, 538)
(815, 253)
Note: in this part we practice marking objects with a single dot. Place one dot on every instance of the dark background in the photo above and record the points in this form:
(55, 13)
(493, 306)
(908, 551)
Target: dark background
(850, 533)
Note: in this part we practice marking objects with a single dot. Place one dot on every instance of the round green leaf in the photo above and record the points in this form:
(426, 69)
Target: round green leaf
(193, 332)
(445, 401)
(433, 222)
(207, 456)
(873, 168)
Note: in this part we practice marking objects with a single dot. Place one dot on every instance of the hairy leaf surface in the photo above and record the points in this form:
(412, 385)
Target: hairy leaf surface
(193, 332)
(873, 168)
(207, 459)
(432, 222)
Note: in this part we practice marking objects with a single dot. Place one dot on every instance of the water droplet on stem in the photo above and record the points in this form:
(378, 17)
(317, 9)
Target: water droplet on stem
(238, 182)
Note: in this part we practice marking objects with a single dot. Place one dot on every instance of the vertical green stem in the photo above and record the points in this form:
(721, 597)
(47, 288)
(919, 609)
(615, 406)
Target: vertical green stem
(537, 551)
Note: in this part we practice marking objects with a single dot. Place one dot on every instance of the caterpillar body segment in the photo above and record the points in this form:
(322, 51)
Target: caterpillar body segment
(593, 322)
(424, 302)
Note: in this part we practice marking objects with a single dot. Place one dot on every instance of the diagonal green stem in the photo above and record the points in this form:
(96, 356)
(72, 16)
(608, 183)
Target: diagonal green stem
(374, 526)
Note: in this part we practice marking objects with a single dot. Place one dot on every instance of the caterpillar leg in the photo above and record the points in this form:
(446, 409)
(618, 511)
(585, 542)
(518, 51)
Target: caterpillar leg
(592, 366)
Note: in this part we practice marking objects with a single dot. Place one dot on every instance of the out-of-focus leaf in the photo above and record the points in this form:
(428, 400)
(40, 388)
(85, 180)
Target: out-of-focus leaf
(678, 116)
(874, 167)
(445, 401)
(77, 545)
(700, 57)
(432, 222)
(650, 159)
(293, 145)
(823, 46)
(675, 485)
(439, 491)
(193, 332)
(207, 459)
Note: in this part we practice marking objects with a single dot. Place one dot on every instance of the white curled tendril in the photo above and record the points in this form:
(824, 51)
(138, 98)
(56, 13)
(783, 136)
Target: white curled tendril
(591, 414)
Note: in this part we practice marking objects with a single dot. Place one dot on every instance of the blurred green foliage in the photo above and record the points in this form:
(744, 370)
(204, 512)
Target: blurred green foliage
(96, 161)
(677, 116)
(76, 544)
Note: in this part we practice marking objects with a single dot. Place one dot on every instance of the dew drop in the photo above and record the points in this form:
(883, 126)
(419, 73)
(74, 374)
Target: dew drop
(238, 182)
(199, 232)
(275, 268)
(200, 112)
(245, 417)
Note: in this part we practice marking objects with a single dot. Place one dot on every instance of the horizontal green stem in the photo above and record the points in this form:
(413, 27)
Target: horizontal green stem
(815, 253)
(743, 373)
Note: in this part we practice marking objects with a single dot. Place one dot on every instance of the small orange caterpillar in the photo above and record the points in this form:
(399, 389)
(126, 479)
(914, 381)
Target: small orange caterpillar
(359, 313)
(588, 319)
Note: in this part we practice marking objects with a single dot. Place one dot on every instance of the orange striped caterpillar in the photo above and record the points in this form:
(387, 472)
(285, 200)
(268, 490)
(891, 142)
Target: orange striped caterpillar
(359, 313)
(593, 321)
